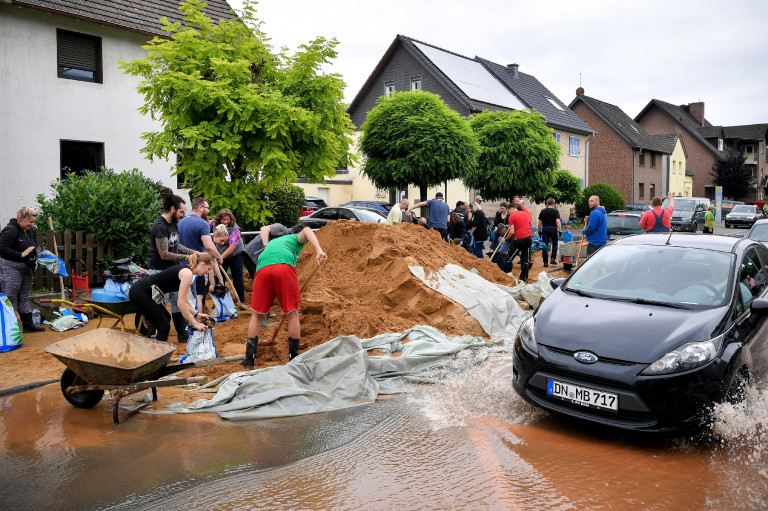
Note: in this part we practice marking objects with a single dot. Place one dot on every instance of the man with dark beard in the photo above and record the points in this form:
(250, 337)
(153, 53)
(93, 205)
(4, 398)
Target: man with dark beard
(165, 250)
(195, 233)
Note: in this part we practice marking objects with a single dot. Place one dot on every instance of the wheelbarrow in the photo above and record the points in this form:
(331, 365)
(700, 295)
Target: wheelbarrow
(100, 309)
(572, 253)
(121, 363)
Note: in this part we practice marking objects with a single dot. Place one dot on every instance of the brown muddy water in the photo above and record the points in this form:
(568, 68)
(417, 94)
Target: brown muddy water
(468, 444)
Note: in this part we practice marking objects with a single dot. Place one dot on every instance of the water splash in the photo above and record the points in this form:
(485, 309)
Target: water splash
(475, 383)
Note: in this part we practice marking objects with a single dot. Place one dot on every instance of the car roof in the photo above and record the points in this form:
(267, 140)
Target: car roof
(709, 242)
(625, 212)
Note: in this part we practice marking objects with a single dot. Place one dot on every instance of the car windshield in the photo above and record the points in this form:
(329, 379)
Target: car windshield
(743, 209)
(684, 205)
(620, 222)
(759, 232)
(369, 216)
(664, 275)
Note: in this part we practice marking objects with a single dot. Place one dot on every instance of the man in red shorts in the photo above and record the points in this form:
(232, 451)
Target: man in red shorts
(276, 277)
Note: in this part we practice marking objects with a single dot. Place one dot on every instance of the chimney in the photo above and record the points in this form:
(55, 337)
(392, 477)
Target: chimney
(580, 91)
(697, 111)
(513, 68)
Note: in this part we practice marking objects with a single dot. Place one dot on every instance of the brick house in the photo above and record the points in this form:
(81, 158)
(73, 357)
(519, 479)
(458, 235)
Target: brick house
(468, 86)
(622, 154)
(64, 102)
(703, 144)
(750, 140)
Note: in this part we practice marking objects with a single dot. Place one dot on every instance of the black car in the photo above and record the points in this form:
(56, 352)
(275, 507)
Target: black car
(623, 223)
(322, 216)
(743, 215)
(649, 332)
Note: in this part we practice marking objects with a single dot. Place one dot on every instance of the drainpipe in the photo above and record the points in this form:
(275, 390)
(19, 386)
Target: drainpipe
(586, 164)
(634, 179)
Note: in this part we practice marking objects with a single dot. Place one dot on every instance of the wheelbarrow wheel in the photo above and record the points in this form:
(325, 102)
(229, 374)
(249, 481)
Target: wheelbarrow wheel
(87, 399)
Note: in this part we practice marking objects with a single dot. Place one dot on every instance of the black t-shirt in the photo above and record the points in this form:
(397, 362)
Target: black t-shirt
(162, 229)
(480, 223)
(549, 217)
(167, 280)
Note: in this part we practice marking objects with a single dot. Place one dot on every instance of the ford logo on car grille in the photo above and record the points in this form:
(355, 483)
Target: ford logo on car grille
(585, 357)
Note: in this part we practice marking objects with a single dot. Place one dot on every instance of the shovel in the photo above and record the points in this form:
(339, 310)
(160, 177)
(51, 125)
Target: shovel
(271, 342)
(581, 244)
(231, 288)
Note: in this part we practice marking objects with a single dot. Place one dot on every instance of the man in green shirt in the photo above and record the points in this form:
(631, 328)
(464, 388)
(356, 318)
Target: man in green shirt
(276, 278)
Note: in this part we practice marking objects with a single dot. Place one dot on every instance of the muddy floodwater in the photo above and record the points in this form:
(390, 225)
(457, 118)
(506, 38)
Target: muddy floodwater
(468, 444)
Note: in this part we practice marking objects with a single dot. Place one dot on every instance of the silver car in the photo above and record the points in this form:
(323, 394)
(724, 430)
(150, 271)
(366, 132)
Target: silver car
(743, 215)
(322, 216)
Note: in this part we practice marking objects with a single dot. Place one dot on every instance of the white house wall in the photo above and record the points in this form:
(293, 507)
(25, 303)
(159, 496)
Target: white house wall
(38, 109)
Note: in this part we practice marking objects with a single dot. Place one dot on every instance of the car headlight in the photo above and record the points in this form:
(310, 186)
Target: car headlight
(688, 356)
(526, 335)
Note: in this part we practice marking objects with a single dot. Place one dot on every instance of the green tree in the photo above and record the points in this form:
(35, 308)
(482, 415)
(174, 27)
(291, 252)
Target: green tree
(113, 206)
(241, 117)
(610, 199)
(519, 155)
(733, 175)
(566, 190)
(414, 138)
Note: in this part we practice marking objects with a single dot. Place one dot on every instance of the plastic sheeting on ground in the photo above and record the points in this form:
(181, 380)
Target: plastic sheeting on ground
(337, 374)
(494, 306)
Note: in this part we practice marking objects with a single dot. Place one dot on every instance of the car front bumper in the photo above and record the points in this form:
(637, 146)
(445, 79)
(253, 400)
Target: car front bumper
(661, 404)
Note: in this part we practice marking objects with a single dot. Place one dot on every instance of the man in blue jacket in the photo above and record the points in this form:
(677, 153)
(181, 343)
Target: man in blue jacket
(596, 231)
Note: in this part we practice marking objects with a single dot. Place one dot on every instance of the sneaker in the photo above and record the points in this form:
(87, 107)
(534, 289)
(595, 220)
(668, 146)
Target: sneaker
(545, 264)
(553, 261)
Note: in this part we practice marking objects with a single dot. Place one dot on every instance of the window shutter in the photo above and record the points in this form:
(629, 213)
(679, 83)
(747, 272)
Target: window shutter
(78, 51)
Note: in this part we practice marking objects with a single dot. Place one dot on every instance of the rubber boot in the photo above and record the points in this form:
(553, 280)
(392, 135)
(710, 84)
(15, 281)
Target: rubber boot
(180, 325)
(293, 348)
(28, 323)
(250, 352)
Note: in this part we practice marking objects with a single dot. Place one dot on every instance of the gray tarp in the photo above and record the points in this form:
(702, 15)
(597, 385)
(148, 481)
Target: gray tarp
(340, 373)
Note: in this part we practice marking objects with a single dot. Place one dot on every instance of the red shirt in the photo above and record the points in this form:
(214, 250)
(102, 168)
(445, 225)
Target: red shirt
(521, 221)
(648, 220)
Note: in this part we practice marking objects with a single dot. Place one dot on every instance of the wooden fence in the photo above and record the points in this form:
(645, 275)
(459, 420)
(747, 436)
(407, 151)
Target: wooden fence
(72, 247)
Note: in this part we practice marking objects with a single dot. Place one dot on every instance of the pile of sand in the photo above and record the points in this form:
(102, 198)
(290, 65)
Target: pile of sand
(365, 288)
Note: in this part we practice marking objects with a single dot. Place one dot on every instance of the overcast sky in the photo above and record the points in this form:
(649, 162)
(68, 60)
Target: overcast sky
(626, 53)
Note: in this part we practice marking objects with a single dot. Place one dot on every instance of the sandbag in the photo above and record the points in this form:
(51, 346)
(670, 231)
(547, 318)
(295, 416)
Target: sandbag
(200, 346)
(9, 325)
(223, 307)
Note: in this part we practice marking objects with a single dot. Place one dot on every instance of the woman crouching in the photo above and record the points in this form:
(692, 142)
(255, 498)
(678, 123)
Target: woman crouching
(176, 278)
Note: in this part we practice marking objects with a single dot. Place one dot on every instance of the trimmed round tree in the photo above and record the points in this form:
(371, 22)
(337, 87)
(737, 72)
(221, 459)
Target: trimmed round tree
(414, 138)
(566, 190)
(519, 155)
(610, 199)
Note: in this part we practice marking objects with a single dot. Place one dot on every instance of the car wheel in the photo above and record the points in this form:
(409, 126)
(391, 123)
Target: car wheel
(694, 227)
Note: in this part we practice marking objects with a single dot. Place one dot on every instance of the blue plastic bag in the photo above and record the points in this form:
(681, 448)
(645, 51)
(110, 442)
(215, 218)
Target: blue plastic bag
(11, 334)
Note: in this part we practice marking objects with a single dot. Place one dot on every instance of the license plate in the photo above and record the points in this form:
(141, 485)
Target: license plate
(582, 395)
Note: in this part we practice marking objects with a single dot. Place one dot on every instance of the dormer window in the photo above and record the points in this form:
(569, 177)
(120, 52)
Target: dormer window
(553, 103)
(719, 144)
(389, 88)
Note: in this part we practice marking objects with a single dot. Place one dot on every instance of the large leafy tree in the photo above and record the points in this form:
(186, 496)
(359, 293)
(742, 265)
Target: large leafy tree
(519, 155)
(414, 138)
(566, 190)
(242, 118)
(733, 175)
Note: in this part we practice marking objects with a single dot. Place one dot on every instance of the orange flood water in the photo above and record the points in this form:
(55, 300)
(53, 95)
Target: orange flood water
(468, 444)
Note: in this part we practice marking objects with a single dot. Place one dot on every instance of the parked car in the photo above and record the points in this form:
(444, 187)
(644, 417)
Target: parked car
(727, 205)
(688, 214)
(623, 223)
(661, 326)
(759, 231)
(380, 206)
(311, 205)
(322, 216)
(637, 207)
(743, 215)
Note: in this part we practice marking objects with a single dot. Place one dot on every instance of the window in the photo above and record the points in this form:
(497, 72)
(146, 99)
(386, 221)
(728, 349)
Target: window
(653, 159)
(751, 280)
(748, 149)
(80, 157)
(574, 146)
(389, 88)
(416, 83)
(554, 103)
(719, 144)
(641, 190)
(652, 191)
(557, 137)
(78, 56)
(641, 159)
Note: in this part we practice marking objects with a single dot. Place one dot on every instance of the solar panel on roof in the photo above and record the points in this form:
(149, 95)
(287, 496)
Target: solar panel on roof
(471, 77)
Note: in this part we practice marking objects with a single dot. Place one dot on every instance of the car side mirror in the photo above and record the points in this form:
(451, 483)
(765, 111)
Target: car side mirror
(555, 283)
(759, 306)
